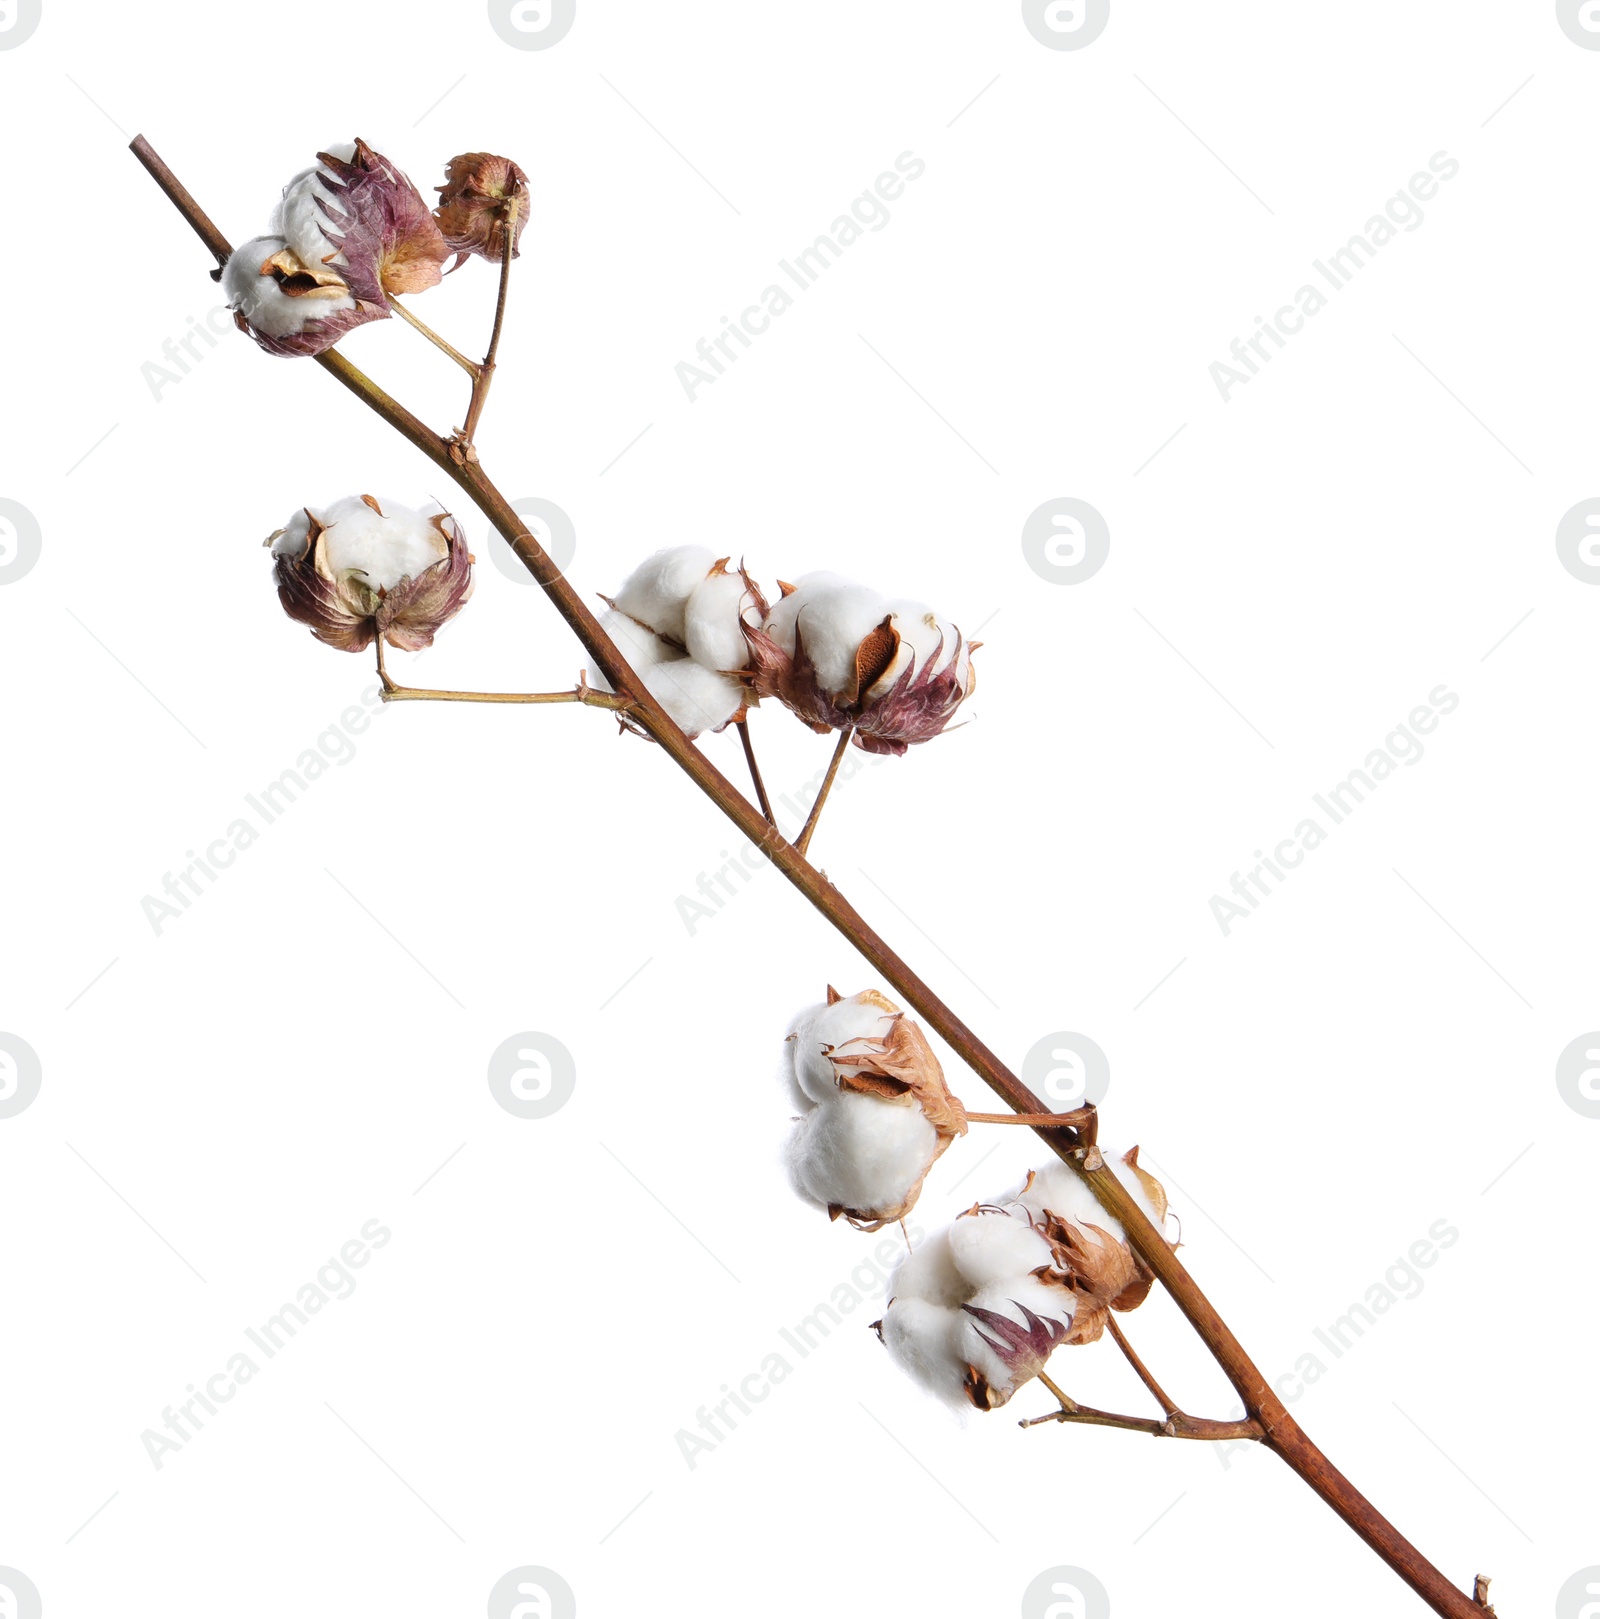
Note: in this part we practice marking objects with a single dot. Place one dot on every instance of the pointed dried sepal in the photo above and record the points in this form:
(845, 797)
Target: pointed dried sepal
(378, 225)
(481, 192)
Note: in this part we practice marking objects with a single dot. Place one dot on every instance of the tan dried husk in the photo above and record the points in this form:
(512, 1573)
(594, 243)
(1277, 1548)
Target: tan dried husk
(1102, 1269)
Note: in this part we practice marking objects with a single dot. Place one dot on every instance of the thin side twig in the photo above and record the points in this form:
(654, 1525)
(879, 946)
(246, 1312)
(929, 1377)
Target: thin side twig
(755, 773)
(469, 366)
(485, 373)
(803, 842)
(1177, 1427)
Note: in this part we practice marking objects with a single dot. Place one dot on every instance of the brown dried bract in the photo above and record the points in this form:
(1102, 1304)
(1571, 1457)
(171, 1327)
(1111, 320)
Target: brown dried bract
(480, 194)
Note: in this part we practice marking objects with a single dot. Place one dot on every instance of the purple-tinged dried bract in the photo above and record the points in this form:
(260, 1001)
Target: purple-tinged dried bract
(363, 568)
(290, 308)
(357, 215)
(842, 656)
(478, 197)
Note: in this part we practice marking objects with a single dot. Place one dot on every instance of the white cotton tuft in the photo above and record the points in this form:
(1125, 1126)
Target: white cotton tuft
(1064, 1193)
(874, 1109)
(262, 302)
(781, 620)
(860, 1152)
(384, 545)
(832, 624)
(290, 540)
(642, 648)
(986, 1262)
(302, 222)
(657, 591)
(698, 699)
(832, 1025)
(713, 619)
(927, 644)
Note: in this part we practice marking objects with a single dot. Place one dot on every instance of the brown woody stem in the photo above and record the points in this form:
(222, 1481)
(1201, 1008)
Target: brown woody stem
(803, 842)
(1281, 1432)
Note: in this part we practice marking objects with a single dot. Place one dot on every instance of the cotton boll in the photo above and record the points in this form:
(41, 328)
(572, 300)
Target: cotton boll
(832, 625)
(363, 568)
(643, 649)
(291, 539)
(968, 1317)
(714, 617)
(698, 699)
(830, 1024)
(781, 621)
(1055, 1189)
(261, 300)
(928, 645)
(990, 1251)
(657, 591)
(1089, 1244)
(301, 220)
(381, 540)
(874, 1108)
(860, 1152)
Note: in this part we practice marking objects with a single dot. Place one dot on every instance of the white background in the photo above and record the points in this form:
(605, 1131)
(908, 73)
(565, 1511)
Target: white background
(1290, 576)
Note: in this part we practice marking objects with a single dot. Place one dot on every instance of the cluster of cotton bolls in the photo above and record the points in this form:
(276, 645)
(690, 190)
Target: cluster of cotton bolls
(352, 232)
(841, 656)
(979, 1307)
(680, 620)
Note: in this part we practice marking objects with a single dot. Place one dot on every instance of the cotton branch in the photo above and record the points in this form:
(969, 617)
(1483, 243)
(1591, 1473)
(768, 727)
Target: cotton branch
(1280, 1432)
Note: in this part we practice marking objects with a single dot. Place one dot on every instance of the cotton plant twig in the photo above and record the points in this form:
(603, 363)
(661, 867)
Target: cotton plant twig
(1175, 1426)
(583, 692)
(1080, 1118)
(586, 695)
(1280, 1432)
(1162, 1398)
(471, 367)
(803, 842)
(485, 373)
(755, 773)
